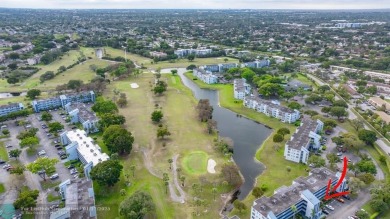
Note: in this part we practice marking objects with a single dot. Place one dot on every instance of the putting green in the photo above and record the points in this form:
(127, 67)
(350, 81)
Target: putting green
(195, 162)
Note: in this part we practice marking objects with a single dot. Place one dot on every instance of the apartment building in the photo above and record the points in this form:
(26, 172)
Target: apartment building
(62, 100)
(258, 63)
(12, 107)
(272, 109)
(205, 76)
(305, 194)
(220, 67)
(198, 52)
(241, 88)
(79, 200)
(80, 146)
(304, 139)
(80, 113)
(158, 54)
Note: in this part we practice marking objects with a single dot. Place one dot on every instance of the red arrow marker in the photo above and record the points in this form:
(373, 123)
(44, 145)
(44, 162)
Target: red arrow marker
(327, 195)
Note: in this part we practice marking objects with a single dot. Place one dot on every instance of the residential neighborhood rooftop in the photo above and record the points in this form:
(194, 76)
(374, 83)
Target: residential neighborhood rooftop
(300, 137)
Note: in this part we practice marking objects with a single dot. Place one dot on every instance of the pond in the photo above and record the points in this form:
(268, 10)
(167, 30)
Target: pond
(246, 134)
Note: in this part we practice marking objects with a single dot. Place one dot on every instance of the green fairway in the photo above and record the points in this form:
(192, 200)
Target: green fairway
(81, 71)
(195, 162)
(188, 136)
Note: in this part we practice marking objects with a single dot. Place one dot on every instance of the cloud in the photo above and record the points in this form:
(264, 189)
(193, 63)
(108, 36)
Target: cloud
(212, 4)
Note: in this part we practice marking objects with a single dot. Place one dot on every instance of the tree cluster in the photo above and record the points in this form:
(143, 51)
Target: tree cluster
(205, 110)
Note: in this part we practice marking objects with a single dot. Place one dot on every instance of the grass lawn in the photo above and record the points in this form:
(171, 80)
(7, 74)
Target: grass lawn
(2, 188)
(188, 135)
(28, 216)
(78, 72)
(52, 198)
(133, 57)
(195, 162)
(68, 59)
(3, 152)
(275, 174)
(48, 184)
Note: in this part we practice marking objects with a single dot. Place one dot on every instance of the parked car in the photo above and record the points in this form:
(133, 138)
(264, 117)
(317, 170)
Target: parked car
(54, 176)
(57, 145)
(325, 211)
(329, 207)
(73, 171)
(5, 166)
(42, 152)
(339, 154)
(8, 146)
(70, 167)
(2, 162)
(340, 200)
(60, 148)
(347, 197)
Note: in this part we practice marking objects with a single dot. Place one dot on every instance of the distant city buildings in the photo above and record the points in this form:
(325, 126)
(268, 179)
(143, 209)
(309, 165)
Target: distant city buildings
(306, 137)
(62, 100)
(272, 109)
(241, 88)
(12, 107)
(81, 147)
(79, 200)
(305, 194)
(349, 25)
(80, 113)
(220, 67)
(205, 76)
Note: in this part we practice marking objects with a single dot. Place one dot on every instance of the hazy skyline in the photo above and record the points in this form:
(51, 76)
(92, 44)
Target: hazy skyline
(197, 4)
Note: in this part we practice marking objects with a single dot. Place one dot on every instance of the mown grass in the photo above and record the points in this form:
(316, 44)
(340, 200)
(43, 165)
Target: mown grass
(188, 135)
(195, 162)
(52, 198)
(2, 188)
(3, 152)
(48, 184)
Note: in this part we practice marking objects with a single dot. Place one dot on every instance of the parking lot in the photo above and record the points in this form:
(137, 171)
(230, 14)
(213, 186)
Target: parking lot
(46, 144)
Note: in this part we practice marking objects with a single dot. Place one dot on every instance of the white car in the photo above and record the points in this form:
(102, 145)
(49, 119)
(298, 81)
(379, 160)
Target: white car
(42, 152)
(329, 207)
(54, 176)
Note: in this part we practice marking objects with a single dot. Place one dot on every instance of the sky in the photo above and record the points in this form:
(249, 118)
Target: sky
(197, 4)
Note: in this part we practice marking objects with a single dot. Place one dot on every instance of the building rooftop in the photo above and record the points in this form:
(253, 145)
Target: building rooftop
(85, 113)
(301, 137)
(9, 105)
(239, 85)
(79, 202)
(271, 104)
(86, 147)
(286, 196)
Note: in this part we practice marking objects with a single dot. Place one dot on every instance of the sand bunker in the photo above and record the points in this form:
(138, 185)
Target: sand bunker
(211, 166)
(134, 85)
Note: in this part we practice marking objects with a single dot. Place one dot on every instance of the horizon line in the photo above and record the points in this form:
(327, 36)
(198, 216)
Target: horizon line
(252, 9)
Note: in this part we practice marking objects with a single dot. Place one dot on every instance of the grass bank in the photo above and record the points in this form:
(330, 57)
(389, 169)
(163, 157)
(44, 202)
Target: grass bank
(3, 152)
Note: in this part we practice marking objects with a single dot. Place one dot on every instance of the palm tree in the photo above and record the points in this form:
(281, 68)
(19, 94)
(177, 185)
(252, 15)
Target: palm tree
(294, 210)
(132, 168)
(182, 179)
(214, 191)
(170, 161)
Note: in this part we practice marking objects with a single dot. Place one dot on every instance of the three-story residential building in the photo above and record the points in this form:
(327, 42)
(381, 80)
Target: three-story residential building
(80, 113)
(62, 100)
(205, 76)
(12, 107)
